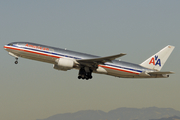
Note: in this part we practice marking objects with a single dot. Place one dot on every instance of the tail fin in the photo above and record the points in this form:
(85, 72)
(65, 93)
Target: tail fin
(157, 61)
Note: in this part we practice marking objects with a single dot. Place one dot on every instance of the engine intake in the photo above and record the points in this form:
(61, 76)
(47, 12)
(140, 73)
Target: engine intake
(64, 64)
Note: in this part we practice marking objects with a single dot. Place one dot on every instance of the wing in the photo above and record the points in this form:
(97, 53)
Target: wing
(99, 60)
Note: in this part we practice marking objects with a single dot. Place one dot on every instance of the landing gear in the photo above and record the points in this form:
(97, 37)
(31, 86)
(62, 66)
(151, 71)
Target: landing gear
(16, 62)
(85, 73)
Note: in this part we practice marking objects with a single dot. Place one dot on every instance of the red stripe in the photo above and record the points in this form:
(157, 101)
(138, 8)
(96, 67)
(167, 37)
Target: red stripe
(32, 52)
(118, 69)
(59, 57)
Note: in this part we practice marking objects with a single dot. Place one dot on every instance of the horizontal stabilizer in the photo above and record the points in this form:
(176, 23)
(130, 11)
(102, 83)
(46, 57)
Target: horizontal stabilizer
(163, 72)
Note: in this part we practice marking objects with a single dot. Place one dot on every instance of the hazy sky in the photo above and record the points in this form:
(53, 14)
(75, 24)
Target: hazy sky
(34, 90)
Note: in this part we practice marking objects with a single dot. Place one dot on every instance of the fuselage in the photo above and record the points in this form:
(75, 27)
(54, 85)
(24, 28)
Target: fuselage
(50, 54)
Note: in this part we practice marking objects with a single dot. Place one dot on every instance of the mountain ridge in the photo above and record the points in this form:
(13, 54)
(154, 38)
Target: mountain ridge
(118, 114)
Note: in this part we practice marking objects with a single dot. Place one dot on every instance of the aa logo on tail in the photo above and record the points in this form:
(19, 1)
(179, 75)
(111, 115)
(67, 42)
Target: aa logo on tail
(155, 61)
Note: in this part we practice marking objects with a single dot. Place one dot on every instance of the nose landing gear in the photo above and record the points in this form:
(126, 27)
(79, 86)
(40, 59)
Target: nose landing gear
(16, 62)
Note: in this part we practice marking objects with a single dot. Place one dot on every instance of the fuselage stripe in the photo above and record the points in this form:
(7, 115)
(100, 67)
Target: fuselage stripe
(123, 68)
(118, 69)
(58, 55)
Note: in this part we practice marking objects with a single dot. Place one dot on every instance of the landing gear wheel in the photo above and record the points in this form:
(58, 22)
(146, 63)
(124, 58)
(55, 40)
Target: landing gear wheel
(79, 77)
(16, 62)
(85, 73)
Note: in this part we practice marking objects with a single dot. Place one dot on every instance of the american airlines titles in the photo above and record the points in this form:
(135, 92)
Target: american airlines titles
(37, 47)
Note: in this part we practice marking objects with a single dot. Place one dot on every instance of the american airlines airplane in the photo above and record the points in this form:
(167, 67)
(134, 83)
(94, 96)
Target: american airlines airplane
(63, 59)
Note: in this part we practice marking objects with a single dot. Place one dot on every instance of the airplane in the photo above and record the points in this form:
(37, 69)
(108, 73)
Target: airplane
(63, 59)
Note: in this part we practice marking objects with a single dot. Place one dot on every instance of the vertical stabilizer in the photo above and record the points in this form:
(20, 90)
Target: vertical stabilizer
(157, 61)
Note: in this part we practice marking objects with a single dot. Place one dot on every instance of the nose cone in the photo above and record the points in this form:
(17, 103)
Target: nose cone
(5, 46)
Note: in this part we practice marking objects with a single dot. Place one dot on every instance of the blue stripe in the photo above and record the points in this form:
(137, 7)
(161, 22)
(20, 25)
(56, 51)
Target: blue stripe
(124, 68)
(51, 53)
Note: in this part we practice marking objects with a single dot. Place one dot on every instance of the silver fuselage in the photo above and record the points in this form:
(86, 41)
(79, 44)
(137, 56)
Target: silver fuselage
(51, 54)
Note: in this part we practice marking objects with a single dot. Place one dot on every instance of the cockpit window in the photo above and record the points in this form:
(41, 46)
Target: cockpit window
(10, 44)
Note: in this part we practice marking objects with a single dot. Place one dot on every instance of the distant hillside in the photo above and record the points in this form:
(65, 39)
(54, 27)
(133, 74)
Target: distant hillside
(152, 113)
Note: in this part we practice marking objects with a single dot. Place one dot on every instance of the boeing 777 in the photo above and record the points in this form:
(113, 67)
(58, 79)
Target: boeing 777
(87, 64)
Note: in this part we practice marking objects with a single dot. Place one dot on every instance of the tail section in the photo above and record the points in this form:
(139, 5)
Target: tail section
(157, 61)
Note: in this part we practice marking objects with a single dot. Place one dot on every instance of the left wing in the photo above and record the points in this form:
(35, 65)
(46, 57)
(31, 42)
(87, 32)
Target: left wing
(99, 60)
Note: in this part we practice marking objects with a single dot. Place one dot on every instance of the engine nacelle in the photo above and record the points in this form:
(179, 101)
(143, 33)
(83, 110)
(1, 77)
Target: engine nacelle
(64, 64)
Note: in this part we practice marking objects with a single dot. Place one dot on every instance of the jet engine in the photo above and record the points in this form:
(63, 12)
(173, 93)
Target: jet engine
(64, 64)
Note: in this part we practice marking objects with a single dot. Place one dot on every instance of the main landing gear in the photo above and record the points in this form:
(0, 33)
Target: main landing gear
(16, 62)
(85, 73)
